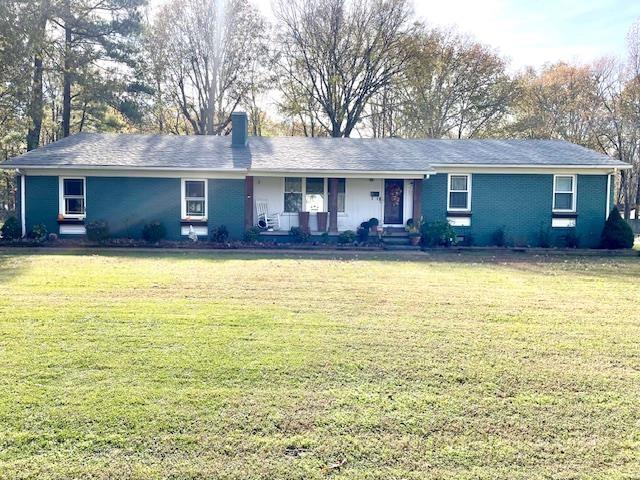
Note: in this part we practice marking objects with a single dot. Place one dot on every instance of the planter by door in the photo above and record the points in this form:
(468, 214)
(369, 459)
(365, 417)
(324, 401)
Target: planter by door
(322, 221)
(303, 221)
(393, 202)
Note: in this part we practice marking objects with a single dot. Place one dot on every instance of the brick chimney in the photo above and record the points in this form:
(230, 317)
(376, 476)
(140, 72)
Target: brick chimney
(239, 129)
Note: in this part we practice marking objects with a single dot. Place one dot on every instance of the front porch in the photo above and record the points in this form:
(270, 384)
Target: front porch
(346, 201)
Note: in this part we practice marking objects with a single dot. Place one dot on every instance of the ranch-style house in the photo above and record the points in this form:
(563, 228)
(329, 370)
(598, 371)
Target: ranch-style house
(193, 183)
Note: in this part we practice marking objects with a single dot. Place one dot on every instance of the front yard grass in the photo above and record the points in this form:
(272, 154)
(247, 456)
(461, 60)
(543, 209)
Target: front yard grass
(184, 365)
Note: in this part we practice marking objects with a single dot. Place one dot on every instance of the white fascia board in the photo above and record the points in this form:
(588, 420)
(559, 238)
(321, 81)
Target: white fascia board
(146, 172)
(524, 169)
(121, 167)
(343, 173)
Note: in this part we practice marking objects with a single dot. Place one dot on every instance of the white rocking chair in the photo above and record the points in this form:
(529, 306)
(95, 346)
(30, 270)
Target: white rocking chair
(271, 220)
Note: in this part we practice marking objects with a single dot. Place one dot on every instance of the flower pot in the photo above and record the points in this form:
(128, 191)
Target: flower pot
(303, 221)
(415, 240)
(322, 221)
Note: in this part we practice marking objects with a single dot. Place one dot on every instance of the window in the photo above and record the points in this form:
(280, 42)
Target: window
(310, 194)
(72, 197)
(459, 193)
(342, 189)
(194, 199)
(564, 193)
(314, 196)
(292, 194)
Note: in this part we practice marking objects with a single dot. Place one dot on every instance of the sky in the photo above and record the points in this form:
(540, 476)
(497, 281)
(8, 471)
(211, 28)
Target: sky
(534, 32)
(540, 31)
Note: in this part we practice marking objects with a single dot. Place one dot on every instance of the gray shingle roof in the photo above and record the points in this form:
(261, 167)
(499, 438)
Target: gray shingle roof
(301, 153)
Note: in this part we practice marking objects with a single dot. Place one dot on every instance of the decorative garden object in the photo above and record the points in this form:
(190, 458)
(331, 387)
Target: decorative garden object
(322, 221)
(303, 221)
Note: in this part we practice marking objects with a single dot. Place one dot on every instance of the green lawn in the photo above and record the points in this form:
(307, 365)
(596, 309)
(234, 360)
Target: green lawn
(186, 365)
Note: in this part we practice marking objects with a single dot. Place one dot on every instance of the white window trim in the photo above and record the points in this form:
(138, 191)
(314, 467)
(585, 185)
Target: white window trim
(468, 208)
(61, 202)
(304, 194)
(574, 194)
(303, 191)
(343, 213)
(183, 199)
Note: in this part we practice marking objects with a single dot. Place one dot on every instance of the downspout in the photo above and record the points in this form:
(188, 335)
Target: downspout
(608, 203)
(23, 222)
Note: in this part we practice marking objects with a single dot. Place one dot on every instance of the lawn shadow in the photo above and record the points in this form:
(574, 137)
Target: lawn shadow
(514, 259)
(10, 265)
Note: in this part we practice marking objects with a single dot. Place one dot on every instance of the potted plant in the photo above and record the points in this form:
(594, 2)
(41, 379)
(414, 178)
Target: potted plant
(322, 217)
(373, 224)
(413, 228)
(363, 232)
(303, 221)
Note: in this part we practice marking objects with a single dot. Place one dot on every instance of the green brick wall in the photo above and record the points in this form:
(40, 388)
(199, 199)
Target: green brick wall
(128, 203)
(41, 202)
(591, 207)
(226, 206)
(521, 203)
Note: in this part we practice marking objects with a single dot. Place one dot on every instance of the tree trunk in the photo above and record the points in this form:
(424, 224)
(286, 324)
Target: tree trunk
(36, 102)
(210, 117)
(35, 105)
(67, 77)
(159, 106)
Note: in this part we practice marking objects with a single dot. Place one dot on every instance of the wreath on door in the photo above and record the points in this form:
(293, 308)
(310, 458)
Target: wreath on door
(395, 194)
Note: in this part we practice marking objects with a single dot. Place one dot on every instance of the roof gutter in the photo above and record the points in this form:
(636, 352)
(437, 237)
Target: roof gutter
(123, 167)
(342, 172)
(529, 165)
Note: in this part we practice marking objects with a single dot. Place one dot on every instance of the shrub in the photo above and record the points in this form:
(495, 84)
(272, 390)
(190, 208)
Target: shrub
(616, 232)
(363, 232)
(571, 239)
(438, 234)
(252, 235)
(544, 236)
(154, 232)
(324, 238)
(11, 230)
(219, 234)
(298, 235)
(39, 232)
(520, 241)
(499, 238)
(97, 231)
(348, 236)
(414, 227)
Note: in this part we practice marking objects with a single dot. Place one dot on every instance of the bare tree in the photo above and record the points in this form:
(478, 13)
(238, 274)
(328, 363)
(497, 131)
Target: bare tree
(615, 129)
(210, 48)
(557, 102)
(633, 101)
(455, 87)
(340, 53)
